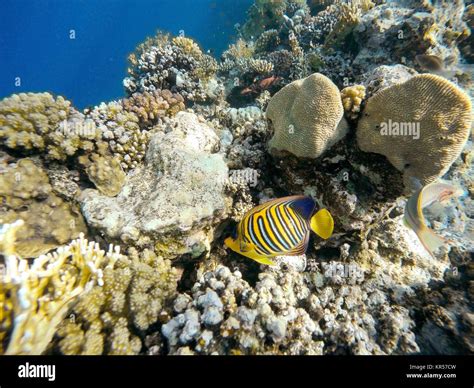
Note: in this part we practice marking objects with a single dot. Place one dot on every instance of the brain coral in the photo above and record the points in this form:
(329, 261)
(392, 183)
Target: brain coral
(307, 116)
(420, 125)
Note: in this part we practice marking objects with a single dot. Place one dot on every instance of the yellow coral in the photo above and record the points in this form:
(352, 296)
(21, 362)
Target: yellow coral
(34, 298)
(188, 45)
(42, 122)
(352, 98)
(136, 290)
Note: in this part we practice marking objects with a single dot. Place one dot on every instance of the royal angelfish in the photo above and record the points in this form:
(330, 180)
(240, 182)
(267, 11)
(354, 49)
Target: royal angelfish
(423, 197)
(279, 227)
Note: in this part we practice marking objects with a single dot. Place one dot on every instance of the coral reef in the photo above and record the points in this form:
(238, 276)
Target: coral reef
(307, 116)
(49, 221)
(35, 297)
(435, 129)
(177, 64)
(319, 98)
(172, 202)
(136, 292)
(41, 122)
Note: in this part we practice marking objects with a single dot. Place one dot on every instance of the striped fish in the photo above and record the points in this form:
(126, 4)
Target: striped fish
(279, 227)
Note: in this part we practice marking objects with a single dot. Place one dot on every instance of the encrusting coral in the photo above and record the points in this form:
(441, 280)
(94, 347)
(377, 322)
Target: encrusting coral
(50, 221)
(137, 292)
(307, 117)
(36, 296)
(40, 122)
(420, 125)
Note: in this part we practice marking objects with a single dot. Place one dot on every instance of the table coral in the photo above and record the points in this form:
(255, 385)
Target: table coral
(26, 194)
(440, 110)
(36, 296)
(307, 117)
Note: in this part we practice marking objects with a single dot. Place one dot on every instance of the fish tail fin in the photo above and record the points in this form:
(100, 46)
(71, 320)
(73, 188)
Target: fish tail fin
(430, 240)
(322, 224)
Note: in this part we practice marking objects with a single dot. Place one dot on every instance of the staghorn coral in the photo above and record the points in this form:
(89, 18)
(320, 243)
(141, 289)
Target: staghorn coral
(137, 290)
(178, 65)
(440, 111)
(42, 123)
(150, 107)
(35, 297)
(307, 116)
(352, 98)
(26, 194)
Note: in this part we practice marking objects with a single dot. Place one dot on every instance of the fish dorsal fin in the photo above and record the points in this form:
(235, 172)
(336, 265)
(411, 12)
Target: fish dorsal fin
(304, 206)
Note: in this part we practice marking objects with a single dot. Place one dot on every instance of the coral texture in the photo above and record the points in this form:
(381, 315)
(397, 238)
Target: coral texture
(307, 116)
(440, 111)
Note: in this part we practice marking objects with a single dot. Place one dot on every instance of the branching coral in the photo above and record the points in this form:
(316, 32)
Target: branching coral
(352, 98)
(41, 122)
(120, 129)
(150, 107)
(35, 297)
(25, 193)
(136, 291)
(178, 65)
(420, 125)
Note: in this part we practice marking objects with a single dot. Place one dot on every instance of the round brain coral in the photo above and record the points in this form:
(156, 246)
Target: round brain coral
(307, 116)
(421, 126)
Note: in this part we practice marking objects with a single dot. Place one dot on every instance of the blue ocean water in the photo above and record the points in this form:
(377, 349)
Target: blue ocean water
(78, 48)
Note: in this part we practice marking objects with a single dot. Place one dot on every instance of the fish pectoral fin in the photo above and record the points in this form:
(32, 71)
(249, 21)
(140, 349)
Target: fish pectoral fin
(245, 247)
(322, 224)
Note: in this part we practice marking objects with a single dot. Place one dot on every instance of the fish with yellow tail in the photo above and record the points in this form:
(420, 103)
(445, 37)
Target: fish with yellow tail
(279, 227)
(414, 219)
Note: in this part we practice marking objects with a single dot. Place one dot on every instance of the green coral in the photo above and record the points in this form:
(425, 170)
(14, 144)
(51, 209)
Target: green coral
(42, 123)
(26, 194)
(137, 289)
